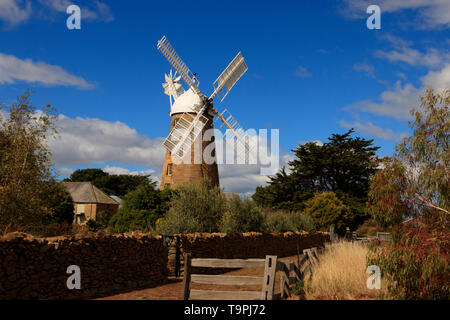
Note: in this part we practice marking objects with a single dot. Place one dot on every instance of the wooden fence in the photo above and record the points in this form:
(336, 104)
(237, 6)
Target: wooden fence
(291, 273)
(297, 271)
(267, 281)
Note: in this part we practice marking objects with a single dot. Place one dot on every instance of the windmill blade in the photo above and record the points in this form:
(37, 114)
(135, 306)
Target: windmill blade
(229, 77)
(184, 133)
(234, 127)
(171, 55)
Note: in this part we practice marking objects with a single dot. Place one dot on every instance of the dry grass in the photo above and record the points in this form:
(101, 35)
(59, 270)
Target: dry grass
(340, 274)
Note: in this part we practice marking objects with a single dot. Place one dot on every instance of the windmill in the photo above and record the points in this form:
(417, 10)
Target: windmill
(192, 114)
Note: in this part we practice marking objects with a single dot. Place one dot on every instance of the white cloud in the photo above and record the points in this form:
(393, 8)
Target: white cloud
(317, 142)
(13, 69)
(119, 171)
(64, 171)
(431, 58)
(94, 10)
(244, 179)
(14, 12)
(398, 101)
(432, 13)
(302, 72)
(375, 131)
(86, 141)
(364, 67)
(439, 80)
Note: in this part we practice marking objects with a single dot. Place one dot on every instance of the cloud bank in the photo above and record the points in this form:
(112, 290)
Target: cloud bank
(13, 69)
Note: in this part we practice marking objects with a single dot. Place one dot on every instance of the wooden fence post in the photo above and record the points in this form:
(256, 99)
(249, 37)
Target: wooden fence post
(269, 278)
(187, 275)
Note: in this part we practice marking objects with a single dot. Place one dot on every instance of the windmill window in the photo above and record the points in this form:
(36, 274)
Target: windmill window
(169, 169)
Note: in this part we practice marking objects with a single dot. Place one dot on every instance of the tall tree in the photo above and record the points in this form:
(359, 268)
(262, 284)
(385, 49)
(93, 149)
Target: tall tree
(417, 178)
(342, 165)
(25, 166)
(415, 183)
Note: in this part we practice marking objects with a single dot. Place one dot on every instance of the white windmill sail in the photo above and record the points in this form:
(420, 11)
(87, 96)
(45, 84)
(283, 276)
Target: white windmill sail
(185, 133)
(234, 129)
(171, 55)
(229, 77)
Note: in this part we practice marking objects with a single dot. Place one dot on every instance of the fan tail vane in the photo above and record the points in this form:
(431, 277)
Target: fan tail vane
(229, 77)
(171, 55)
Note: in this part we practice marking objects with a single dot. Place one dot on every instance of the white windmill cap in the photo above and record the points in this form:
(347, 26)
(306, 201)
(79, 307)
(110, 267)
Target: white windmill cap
(189, 101)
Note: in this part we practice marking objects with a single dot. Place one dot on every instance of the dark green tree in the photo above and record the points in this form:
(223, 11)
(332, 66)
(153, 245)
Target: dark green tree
(89, 174)
(118, 185)
(60, 204)
(140, 209)
(342, 165)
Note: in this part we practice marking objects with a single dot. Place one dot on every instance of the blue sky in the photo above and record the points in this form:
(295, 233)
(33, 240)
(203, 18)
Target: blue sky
(314, 69)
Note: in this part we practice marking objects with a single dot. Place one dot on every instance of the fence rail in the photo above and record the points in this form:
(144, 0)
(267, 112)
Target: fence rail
(300, 270)
(267, 281)
(290, 273)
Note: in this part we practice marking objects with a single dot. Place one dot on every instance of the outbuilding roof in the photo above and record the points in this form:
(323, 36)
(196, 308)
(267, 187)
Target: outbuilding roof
(86, 192)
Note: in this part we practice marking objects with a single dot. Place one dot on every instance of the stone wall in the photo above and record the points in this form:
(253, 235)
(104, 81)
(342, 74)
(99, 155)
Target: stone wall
(36, 268)
(32, 268)
(250, 245)
(244, 246)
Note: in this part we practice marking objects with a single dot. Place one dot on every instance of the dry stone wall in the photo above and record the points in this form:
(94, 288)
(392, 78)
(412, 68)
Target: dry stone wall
(37, 268)
(250, 245)
(33, 268)
(246, 246)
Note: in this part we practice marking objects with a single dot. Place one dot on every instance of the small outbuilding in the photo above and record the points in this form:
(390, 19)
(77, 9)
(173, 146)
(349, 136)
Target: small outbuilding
(89, 201)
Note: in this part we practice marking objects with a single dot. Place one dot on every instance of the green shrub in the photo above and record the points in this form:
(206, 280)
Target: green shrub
(197, 207)
(301, 221)
(415, 263)
(326, 209)
(140, 210)
(279, 221)
(127, 220)
(242, 215)
(93, 225)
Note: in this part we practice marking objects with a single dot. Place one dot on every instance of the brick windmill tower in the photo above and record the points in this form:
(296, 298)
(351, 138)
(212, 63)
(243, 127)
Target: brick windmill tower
(192, 115)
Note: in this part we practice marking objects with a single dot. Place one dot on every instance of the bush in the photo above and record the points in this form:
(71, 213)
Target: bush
(140, 210)
(197, 207)
(93, 225)
(301, 221)
(242, 215)
(60, 206)
(326, 210)
(415, 263)
(368, 228)
(279, 221)
(127, 220)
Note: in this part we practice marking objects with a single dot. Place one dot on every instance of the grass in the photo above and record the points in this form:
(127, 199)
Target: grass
(340, 273)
